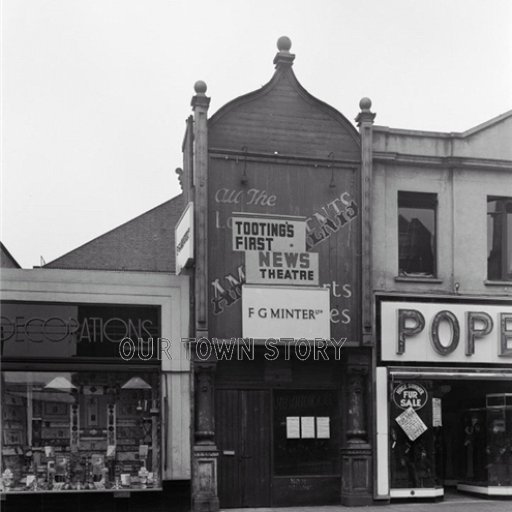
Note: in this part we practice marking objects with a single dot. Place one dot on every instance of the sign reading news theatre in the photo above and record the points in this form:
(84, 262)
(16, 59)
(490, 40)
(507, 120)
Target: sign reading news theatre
(446, 332)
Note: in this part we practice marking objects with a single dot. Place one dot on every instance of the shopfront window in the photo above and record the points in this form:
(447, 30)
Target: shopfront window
(416, 233)
(499, 238)
(80, 430)
(305, 433)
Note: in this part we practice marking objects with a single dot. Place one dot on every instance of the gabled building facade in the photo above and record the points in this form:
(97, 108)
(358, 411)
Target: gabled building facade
(442, 259)
(275, 178)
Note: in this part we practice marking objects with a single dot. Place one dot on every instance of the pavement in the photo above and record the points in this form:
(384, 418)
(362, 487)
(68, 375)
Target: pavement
(451, 503)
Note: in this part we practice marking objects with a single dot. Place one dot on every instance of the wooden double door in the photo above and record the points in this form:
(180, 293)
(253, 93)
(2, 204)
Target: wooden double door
(242, 424)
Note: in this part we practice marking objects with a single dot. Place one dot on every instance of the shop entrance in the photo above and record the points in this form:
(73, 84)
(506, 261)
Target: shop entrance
(243, 439)
(465, 442)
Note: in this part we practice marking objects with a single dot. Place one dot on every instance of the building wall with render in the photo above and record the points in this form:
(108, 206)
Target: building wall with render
(463, 170)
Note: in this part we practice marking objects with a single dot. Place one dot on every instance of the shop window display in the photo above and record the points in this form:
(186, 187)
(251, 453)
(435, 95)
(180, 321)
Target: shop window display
(65, 431)
(415, 456)
(488, 442)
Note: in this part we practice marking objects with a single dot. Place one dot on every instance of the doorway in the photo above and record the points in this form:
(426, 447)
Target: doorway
(242, 425)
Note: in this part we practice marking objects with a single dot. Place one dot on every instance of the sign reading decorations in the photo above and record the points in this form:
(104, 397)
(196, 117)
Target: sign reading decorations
(268, 233)
(265, 267)
(37, 329)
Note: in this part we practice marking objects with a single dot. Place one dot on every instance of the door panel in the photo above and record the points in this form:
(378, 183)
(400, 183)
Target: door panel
(256, 448)
(228, 420)
(242, 423)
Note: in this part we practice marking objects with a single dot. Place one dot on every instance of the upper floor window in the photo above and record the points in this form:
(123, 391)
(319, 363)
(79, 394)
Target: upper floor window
(417, 233)
(499, 238)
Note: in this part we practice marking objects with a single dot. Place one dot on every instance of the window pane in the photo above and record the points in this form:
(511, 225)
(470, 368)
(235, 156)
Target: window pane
(80, 430)
(416, 233)
(305, 433)
(499, 238)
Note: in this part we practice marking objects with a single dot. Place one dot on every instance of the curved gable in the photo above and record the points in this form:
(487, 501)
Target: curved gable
(283, 117)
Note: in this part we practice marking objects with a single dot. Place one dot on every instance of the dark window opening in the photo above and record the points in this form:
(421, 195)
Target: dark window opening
(499, 238)
(416, 233)
(305, 432)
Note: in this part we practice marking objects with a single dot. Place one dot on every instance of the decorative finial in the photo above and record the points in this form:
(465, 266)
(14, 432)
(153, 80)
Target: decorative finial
(366, 116)
(365, 104)
(200, 99)
(284, 43)
(283, 58)
(200, 87)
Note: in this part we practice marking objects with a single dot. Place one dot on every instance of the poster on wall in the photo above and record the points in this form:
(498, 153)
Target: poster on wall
(411, 424)
(292, 427)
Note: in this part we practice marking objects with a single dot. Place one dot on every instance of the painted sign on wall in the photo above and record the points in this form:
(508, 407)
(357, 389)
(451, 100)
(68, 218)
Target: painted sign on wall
(326, 198)
(446, 332)
(283, 312)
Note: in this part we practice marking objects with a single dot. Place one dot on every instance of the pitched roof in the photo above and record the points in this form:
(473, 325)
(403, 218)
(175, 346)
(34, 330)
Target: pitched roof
(6, 258)
(145, 243)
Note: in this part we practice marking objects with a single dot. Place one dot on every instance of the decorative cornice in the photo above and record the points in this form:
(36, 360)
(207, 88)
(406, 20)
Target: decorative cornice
(442, 161)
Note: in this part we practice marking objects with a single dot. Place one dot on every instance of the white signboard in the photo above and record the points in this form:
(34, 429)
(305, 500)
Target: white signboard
(411, 424)
(184, 238)
(307, 427)
(322, 427)
(292, 427)
(446, 332)
(268, 233)
(297, 268)
(437, 413)
(285, 312)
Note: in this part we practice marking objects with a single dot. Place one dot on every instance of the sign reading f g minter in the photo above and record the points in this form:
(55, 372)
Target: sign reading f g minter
(268, 233)
(285, 312)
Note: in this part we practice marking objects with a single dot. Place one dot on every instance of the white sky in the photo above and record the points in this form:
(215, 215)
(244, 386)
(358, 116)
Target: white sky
(95, 93)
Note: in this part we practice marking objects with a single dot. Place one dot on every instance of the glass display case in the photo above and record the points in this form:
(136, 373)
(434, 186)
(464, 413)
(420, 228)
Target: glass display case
(488, 446)
(80, 431)
(499, 439)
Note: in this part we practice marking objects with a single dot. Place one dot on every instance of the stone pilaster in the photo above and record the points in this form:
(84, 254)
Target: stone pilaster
(364, 121)
(356, 456)
(204, 451)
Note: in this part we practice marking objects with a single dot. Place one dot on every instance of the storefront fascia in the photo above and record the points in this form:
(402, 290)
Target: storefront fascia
(409, 361)
(168, 377)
